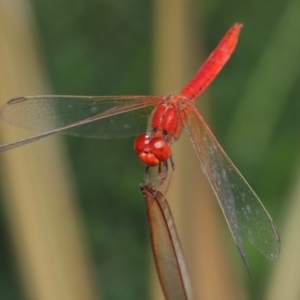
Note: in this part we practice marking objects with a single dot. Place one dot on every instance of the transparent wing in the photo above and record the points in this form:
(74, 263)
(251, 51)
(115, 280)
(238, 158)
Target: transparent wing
(95, 117)
(46, 113)
(244, 213)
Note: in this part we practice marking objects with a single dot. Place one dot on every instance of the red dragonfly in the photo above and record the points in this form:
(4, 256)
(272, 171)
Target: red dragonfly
(124, 116)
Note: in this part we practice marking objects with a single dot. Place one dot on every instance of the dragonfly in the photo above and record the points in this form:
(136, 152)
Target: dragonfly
(168, 116)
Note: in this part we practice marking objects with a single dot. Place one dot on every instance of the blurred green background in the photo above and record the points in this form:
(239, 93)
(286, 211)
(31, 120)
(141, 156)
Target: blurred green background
(105, 48)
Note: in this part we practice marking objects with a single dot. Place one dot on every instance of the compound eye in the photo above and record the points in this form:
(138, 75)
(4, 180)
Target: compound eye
(141, 142)
(160, 148)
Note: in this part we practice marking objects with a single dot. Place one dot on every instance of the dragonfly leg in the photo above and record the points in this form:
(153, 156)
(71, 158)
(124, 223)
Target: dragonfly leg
(160, 178)
(170, 176)
(163, 169)
(163, 178)
(172, 163)
(146, 174)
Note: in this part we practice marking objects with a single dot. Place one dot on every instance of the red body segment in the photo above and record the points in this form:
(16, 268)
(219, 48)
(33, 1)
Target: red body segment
(164, 120)
(213, 65)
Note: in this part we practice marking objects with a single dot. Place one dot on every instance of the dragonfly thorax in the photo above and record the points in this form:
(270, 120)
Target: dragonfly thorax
(166, 121)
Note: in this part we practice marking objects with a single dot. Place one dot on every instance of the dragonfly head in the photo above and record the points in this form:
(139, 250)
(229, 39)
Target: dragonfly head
(151, 150)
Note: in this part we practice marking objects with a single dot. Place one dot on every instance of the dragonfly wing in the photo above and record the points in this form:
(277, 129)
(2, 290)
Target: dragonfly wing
(48, 113)
(45, 119)
(244, 213)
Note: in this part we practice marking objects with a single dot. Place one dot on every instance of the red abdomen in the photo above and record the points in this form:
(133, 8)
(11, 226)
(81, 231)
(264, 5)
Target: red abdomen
(213, 65)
